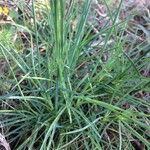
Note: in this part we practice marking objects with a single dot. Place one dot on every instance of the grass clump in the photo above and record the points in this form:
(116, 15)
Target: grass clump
(68, 94)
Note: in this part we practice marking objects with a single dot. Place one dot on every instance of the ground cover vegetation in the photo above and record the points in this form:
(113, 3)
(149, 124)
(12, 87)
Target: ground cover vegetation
(74, 75)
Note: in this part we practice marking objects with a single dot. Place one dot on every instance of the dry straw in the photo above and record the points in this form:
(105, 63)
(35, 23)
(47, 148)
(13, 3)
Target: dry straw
(4, 143)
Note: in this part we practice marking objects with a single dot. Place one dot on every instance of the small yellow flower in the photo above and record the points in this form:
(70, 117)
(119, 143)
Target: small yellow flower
(1, 10)
(5, 11)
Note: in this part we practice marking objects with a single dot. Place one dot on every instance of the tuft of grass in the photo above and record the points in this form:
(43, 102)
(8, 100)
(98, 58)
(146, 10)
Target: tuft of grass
(68, 94)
